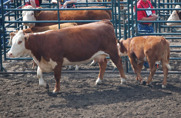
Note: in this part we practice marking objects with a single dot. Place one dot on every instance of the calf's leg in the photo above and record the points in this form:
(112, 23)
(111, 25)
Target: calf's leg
(136, 68)
(152, 70)
(165, 72)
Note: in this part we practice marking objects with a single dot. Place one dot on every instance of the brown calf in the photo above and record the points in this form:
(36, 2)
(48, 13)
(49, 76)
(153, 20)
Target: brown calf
(150, 48)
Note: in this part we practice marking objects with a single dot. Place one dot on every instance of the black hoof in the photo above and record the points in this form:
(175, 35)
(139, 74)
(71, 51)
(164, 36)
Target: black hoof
(143, 83)
(150, 85)
(52, 94)
(47, 86)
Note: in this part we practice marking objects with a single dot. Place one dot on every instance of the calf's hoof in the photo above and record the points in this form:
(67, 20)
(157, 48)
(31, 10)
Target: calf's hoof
(123, 81)
(149, 84)
(163, 86)
(143, 82)
(98, 81)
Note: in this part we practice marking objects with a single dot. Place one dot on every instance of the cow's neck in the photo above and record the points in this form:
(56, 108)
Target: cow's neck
(33, 45)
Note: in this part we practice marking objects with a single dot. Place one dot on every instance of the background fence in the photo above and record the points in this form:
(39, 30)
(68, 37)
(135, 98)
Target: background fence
(124, 19)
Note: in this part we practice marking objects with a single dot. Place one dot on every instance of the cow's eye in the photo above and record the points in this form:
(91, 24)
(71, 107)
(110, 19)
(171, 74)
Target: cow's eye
(19, 42)
(32, 14)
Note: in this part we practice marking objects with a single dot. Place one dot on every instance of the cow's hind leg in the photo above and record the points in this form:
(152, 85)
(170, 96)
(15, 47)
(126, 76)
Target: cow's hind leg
(102, 68)
(118, 62)
(40, 77)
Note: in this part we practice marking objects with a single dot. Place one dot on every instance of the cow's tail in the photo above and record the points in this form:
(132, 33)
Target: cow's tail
(168, 66)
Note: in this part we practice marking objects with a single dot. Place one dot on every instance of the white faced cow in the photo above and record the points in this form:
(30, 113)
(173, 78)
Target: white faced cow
(74, 45)
(175, 16)
(64, 15)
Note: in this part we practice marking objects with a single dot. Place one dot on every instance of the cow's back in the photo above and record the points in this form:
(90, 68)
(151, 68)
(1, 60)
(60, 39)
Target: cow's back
(74, 42)
(73, 15)
(149, 45)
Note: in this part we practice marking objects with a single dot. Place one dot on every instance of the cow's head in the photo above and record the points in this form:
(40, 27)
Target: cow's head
(29, 15)
(122, 47)
(12, 34)
(18, 45)
(175, 16)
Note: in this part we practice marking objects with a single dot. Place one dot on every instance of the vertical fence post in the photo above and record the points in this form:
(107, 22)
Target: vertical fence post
(1, 34)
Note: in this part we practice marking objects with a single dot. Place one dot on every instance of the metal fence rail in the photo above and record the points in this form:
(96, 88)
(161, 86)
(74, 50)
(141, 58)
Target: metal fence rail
(124, 19)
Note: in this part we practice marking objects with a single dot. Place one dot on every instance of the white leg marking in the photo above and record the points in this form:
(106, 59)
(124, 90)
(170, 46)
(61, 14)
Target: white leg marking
(123, 81)
(76, 67)
(163, 86)
(98, 81)
(40, 77)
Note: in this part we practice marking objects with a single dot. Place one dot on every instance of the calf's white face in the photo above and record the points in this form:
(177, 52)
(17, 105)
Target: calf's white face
(18, 45)
(174, 17)
(28, 16)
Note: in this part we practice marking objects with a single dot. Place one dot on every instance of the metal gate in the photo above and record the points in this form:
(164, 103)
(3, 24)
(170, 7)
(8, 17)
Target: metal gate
(124, 19)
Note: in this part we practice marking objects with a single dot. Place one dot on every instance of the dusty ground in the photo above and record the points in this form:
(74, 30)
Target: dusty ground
(20, 96)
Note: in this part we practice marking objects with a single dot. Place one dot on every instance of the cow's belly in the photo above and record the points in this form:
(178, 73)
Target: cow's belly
(100, 55)
(45, 66)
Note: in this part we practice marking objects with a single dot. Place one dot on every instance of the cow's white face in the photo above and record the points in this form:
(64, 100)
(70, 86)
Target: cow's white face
(28, 16)
(174, 17)
(18, 45)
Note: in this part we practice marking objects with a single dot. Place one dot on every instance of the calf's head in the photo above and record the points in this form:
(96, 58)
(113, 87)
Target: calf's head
(122, 47)
(29, 15)
(18, 45)
(175, 16)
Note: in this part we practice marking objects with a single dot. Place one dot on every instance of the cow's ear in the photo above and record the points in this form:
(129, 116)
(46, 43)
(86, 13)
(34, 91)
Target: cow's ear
(26, 37)
(37, 12)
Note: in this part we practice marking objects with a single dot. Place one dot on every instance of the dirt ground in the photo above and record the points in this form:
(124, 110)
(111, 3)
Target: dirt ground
(21, 96)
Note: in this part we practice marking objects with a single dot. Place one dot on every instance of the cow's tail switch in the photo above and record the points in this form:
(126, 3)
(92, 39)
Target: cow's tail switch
(168, 66)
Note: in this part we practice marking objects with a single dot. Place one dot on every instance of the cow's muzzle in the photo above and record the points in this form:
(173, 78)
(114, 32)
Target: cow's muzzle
(10, 54)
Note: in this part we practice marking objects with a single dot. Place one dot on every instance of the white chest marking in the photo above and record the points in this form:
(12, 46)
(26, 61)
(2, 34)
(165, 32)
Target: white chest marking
(46, 66)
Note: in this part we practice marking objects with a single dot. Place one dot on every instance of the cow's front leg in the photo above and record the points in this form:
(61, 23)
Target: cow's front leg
(40, 77)
(102, 68)
(57, 75)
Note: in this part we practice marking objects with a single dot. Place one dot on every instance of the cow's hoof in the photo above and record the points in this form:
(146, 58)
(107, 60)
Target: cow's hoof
(163, 86)
(52, 94)
(98, 81)
(143, 82)
(149, 85)
(42, 82)
(137, 82)
(47, 86)
(123, 81)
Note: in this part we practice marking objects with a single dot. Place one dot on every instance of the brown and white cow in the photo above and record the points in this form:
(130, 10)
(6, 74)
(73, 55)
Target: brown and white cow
(64, 15)
(175, 16)
(74, 45)
(150, 48)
